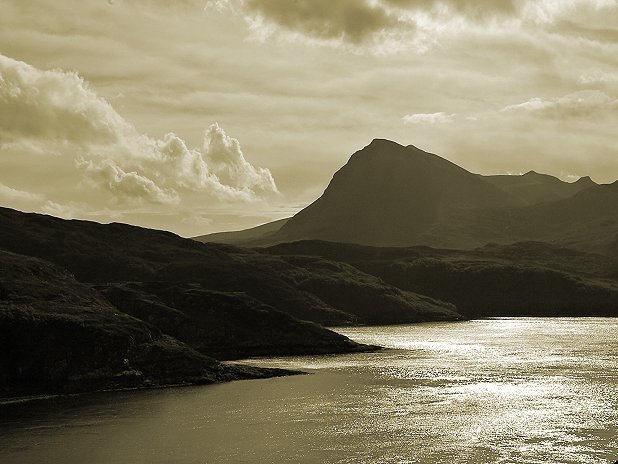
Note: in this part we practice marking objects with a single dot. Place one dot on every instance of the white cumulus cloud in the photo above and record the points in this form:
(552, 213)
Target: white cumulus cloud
(428, 118)
(56, 113)
(579, 104)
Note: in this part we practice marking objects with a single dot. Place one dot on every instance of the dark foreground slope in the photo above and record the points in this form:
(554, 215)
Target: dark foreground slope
(224, 325)
(58, 335)
(524, 279)
(212, 300)
(117, 253)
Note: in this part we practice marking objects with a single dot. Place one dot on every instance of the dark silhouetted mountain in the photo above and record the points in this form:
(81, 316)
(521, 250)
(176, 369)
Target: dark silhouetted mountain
(391, 195)
(532, 188)
(523, 279)
(243, 236)
(388, 194)
(587, 221)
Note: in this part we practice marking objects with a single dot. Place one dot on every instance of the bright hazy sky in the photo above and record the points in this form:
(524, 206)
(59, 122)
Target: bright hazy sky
(199, 116)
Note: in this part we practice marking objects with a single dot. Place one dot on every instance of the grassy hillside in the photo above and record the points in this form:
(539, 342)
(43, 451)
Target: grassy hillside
(125, 306)
(58, 335)
(531, 279)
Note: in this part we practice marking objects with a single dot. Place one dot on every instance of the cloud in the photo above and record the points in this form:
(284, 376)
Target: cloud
(57, 112)
(585, 103)
(405, 23)
(9, 195)
(129, 186)
(471, 8)
(350, 20)
(428, 118)
(597, 76)
(228, 163)
(53, 105)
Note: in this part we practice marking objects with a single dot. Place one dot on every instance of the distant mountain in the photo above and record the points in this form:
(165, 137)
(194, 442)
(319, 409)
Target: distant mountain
(587, 221)
(243, 236)
(391, 195)
(532, 188)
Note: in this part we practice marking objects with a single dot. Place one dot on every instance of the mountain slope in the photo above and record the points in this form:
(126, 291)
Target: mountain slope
(243, 236)
(388, 194)
(532, 188)
(524, 279)
(391, 195)
(58, 335)
(587, 221)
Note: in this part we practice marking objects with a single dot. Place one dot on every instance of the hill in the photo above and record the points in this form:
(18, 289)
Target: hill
(202, 300)
(390, 195)
(243, 236)
(532, 187)
(58, 335)
(523, 279)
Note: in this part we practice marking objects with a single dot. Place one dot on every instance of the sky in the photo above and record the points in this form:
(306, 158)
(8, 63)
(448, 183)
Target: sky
(199, 116)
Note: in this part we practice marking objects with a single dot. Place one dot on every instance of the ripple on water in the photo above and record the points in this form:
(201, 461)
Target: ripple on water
(491, 391)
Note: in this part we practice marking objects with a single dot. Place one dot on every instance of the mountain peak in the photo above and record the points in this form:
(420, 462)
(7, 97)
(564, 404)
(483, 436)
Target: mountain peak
(390, 194)
(585, 180)
(380, 143)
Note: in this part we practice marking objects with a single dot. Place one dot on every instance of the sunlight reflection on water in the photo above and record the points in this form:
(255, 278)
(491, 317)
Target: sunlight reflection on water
(491, 391)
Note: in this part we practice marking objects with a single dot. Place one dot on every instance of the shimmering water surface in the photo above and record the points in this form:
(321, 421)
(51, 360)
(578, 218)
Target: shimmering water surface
(490, 391)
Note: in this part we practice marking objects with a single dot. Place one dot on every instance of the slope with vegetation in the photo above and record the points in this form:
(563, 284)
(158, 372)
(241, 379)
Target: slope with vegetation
(168, 296)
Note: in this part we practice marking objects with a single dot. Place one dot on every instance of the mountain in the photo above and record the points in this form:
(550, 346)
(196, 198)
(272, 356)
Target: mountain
(532, 188)
(391, 195)
(587, 221)
(243, 236)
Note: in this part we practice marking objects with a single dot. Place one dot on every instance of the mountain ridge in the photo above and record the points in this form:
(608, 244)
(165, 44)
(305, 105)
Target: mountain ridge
(388, 194)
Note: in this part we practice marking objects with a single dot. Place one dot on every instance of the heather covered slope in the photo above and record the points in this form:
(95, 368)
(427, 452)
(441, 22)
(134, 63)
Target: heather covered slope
(58, 335)
(102, 254)
(524, 279)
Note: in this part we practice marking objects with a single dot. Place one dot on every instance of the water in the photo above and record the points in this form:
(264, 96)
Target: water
(491, 391)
